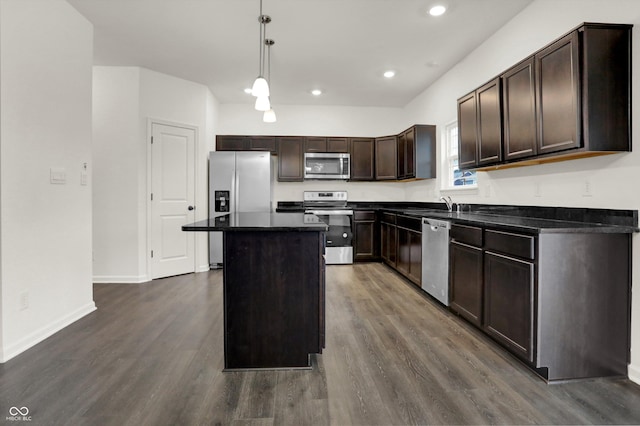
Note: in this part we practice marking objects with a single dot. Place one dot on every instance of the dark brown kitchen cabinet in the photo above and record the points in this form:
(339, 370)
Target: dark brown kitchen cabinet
(366, 235)
(388, 239)
(416, 152)
(558, 95)
(571, 99)
(340, 145)
(542, 297)
(263, 143)
(290, 158)
(509, 290)
(467, 132)
(520, 129)
(232, 143)
(480, 126)
(466, 272)
(246, 143)
(489, 123)
(386, 162)
(508, 302)
(362, 159)
(409, 249)
(315, 144)
(329, 144)
(406, 153)
(284, 320)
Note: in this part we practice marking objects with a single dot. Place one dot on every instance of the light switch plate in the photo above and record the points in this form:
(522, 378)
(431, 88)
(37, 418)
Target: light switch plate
(58, 175)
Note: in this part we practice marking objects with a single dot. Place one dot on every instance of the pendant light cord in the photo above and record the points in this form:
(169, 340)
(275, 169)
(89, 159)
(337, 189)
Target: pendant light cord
(261, 46)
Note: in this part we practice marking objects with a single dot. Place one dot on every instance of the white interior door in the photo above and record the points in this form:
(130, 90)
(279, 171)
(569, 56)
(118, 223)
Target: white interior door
(172, 200)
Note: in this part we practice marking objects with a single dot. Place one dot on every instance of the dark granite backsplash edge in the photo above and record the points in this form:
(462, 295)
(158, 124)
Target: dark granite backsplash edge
(571, 214)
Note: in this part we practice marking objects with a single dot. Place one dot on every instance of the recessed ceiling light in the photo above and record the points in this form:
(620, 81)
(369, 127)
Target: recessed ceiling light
(248, 90)
(316, 92)
(389, 74)
(437, 10)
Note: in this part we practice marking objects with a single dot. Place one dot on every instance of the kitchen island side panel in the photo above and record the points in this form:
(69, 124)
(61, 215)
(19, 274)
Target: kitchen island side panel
(583, 305)
(272, 298)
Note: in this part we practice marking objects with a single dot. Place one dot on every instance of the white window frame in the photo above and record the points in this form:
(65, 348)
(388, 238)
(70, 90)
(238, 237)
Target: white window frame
(449, 143)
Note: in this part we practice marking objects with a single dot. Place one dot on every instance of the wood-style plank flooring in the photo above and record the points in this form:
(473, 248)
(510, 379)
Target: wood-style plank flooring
(152, 354)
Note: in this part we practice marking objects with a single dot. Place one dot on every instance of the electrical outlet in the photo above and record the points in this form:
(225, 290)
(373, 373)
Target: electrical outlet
(587, 190)
(24, 300)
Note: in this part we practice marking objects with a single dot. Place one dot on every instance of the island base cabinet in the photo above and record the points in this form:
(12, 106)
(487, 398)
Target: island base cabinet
(508, 302)
(274, 304)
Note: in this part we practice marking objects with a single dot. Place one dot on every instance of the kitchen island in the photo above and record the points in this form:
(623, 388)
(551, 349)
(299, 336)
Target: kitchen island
(273, 288)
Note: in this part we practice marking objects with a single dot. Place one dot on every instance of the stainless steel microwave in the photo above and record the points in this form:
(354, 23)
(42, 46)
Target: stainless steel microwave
(325, 165)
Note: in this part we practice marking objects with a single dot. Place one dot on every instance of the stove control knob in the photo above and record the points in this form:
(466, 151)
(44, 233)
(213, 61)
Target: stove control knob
(344, 235)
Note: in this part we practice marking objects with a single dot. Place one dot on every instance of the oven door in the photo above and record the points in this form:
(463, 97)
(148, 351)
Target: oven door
(339, 236)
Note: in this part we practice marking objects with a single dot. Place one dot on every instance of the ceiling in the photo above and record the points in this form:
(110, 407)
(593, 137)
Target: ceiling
(339, 46)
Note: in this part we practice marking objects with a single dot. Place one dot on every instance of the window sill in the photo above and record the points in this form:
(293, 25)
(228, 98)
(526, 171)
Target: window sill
(471, 190)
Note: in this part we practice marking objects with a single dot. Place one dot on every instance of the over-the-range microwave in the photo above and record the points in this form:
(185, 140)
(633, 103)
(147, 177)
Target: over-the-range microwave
(327, 165)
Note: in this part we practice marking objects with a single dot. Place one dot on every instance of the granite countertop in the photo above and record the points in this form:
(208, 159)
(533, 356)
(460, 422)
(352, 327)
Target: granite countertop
(517, 223)
(533, 219)
(266, 221)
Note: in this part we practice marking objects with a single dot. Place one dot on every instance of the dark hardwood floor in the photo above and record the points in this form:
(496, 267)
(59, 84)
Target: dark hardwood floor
(152, 355)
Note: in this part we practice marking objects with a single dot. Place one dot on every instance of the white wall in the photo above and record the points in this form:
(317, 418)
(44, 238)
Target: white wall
(561, 184)
(116, 177)
(46, 55)
(126, 100)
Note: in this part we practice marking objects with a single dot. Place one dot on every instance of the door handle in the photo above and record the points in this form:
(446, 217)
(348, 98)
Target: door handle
(191, 208)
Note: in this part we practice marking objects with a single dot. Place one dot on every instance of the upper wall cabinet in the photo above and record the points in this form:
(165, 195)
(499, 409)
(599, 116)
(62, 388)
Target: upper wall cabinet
(519, 100)
(322, 144)
(246, 143)
(386, 158)
(421, 156)
(570, 99)
(363, 155)
(480, 123)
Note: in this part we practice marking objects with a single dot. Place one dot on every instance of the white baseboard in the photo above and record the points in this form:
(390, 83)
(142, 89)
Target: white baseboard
(634, 373)
(38, 336)
(203, 268)
(120, 279)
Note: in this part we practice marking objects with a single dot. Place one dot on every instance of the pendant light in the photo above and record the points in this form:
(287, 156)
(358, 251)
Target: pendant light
(260, 86)
(269, 115)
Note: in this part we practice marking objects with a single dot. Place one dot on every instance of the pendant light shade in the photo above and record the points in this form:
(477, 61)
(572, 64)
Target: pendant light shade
(269, 116)
(260, 87)
(262, 103)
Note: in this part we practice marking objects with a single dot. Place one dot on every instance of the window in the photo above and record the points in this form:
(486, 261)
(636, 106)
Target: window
(455, 178)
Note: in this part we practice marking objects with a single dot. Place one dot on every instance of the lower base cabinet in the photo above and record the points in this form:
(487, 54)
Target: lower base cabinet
(366, 236)
(508, 307)
(388, 239)
(409, 236)
(465, 265)
(558, 301)
(401, 245)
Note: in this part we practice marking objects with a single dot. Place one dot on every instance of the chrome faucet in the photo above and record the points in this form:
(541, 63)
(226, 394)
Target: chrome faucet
(447, 200)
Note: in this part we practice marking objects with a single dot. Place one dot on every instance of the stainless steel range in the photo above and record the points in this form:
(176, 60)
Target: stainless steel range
(331, 208)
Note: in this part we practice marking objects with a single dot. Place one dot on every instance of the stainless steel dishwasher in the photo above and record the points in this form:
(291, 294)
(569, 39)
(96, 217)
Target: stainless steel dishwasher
(435, 258)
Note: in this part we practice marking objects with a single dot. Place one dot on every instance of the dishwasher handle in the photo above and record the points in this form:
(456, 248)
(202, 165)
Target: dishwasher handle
(435, 224)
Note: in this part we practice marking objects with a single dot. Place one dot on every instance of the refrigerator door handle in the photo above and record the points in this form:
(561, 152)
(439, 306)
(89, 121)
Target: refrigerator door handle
(236, 189)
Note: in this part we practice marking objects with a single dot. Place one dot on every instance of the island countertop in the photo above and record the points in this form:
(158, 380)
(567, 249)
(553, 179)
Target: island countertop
(259, 221)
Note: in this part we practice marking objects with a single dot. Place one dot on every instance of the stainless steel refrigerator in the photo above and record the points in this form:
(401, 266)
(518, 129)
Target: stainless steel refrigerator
(238, 182)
